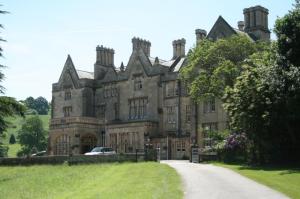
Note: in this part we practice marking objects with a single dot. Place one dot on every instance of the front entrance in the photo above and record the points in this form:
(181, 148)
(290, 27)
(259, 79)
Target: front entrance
(87, 143)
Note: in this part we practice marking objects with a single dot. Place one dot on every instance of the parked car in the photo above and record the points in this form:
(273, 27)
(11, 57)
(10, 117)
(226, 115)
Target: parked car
(41, 153)
(101, 151)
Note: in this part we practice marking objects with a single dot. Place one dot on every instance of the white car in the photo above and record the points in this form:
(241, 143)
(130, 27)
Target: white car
(101, 151)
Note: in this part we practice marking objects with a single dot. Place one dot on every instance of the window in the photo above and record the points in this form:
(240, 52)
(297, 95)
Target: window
(101, 111)
(180, 146)
(171, 117)
(110, 90)
(137, 82)
(67, 95)
(67, 111)
(209, 106)
(116, 108)
(188, 113)
(172, 89)
(138, 108)
(207, 129)
(62, 145)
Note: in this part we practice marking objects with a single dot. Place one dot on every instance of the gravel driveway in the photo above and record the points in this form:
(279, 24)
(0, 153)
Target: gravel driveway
(211, 182)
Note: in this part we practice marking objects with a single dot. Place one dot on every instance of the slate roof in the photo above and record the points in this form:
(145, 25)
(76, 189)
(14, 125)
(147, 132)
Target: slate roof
(85, 75)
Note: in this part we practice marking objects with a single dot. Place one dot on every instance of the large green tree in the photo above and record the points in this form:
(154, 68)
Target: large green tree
(8, 105)
(214, 65)
(32, 136)
(40, 104)
(265, 100)
(287, 30)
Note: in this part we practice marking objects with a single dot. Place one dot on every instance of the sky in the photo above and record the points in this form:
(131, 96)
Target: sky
(40, 34)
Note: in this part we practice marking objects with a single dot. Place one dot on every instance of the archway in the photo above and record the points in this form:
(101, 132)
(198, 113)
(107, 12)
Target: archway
(87, 143)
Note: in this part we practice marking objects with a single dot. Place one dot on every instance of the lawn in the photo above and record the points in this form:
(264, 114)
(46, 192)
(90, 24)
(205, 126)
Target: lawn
(283, 180)
(127, 180)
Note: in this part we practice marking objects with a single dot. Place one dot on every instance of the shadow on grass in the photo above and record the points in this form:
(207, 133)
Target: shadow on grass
(284, 169)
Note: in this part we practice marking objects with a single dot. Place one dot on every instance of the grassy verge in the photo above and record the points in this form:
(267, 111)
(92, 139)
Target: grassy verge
(285, 180)
(128, 180)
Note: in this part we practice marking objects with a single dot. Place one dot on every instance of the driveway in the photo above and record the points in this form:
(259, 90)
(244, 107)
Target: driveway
(206, 181)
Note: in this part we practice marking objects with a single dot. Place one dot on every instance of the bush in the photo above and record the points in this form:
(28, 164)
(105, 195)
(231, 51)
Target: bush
(3, 150)
(234, 148)
(12, 139)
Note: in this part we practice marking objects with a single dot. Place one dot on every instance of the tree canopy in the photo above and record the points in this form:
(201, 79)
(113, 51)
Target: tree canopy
(32, 135)
(39, 104)
(259, 85)
(215, 65)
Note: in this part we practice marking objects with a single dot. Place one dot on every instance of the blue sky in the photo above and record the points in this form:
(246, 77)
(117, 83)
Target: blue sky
(40, 34)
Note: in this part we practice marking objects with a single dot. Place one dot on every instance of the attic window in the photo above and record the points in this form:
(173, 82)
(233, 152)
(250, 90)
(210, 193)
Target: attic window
(68, 95)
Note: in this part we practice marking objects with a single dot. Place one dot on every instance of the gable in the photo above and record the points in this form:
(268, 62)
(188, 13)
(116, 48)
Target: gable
(69, 77)
(221, 29)
(138, 63)
(110, 75)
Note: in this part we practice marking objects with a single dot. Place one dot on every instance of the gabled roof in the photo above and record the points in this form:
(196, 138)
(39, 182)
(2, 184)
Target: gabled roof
(220, 29)
(69, 72)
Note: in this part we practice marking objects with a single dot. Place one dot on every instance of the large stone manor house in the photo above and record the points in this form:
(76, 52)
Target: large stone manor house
(143, 103)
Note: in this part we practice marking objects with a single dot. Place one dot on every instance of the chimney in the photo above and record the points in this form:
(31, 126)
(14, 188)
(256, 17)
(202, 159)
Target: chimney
(138, 43)
(241, 25)
(200, 34)
(256, 22)
(105, 56)
(178, 48)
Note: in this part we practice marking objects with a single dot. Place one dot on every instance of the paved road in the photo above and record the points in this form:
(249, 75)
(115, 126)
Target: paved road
(205, 181)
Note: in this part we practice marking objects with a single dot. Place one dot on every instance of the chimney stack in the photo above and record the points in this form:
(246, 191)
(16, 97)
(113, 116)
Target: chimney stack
(256, 22)
(178, 48)
(200, 34)
(105, 56)
(241, 25)
(138, 43)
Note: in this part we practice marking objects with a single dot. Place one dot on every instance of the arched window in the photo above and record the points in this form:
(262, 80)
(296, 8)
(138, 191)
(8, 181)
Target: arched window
(62, 145)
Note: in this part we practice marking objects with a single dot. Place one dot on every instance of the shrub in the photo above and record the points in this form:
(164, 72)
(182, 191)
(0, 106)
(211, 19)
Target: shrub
(12, 139)
(3, 150)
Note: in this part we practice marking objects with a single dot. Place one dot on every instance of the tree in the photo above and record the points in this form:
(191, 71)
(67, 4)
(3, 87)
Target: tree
(265, 100)
(39, 104)
(12, 139)
(32, 135)
(8, 105)
(287, 30)
(214, 65)
(29, 102)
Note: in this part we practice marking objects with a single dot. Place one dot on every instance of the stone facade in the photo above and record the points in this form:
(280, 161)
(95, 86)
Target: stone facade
(143, 104)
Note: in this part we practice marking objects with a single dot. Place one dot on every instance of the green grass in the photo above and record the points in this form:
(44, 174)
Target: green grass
(127, 180)
(13, 149)
(285, 180)
(14, 126)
